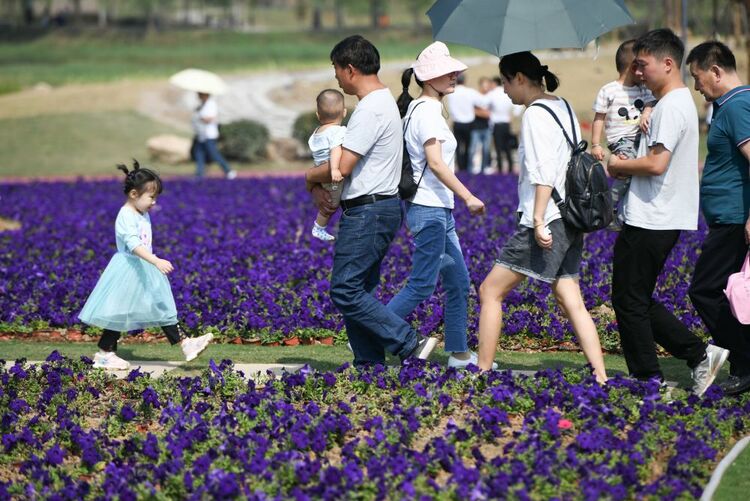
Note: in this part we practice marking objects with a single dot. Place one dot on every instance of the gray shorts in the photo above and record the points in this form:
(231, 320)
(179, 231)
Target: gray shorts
(523, 255)
(335, 190)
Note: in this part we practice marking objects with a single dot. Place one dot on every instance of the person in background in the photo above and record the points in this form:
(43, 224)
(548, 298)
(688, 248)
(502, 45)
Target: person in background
(502, 111)
(205, 136)
(481, 134)
(462, 106)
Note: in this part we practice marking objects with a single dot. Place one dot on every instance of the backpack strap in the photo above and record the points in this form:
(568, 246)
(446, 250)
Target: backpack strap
(406, 126)
(555, 195)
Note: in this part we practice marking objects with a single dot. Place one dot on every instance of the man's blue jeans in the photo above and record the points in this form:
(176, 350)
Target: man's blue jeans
(480, 138)
(207, 150)
(365, 233)
(437, 253)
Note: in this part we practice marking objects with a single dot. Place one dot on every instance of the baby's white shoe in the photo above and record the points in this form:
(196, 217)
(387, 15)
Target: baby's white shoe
(321, 233)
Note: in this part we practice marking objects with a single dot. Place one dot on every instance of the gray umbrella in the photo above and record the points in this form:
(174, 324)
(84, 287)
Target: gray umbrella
(506, 26)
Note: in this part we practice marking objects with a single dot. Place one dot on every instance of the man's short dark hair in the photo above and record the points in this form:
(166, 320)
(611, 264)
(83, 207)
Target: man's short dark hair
(624, 55)
(359, 52)
(712, 53)
(661, 43)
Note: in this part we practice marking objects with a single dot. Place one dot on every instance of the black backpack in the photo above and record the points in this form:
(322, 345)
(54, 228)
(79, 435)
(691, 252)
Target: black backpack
(588, 200)
(407, 188)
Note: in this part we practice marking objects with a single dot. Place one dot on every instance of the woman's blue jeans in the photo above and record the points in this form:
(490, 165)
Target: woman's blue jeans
(207, 151)
(437, 253)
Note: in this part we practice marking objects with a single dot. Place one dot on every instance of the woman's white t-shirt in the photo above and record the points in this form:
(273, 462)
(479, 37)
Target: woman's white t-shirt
(427, 122)
(210, 130)
(544, 154)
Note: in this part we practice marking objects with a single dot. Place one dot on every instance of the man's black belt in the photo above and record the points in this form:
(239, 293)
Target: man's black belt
(364, 200)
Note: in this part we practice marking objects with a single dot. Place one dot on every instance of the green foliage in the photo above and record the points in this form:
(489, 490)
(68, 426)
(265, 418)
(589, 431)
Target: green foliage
(305, 125)
(244, 140)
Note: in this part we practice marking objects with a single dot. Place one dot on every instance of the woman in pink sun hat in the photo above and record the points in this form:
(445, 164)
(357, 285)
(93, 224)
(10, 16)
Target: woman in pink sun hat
(429, 214)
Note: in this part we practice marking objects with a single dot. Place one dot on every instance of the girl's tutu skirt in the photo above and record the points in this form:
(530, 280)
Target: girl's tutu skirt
(130, 295)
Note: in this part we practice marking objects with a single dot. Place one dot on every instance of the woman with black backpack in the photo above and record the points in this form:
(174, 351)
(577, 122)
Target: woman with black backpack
(543, 247)
(431, 146)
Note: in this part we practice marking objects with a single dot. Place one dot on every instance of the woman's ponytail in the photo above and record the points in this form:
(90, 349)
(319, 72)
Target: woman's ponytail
(551, 82)
(405, 98)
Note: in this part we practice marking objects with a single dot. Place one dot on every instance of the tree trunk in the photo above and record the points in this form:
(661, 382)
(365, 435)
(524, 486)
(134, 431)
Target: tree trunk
(76, 12)
(376, 11)
(317, 18)
(102, 13)
(338, 8)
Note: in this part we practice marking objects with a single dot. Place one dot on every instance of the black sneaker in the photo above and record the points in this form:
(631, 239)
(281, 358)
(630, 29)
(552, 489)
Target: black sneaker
(736, 385)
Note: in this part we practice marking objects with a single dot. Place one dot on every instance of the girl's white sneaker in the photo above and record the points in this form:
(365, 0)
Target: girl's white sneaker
(194, 346)
(110, 360)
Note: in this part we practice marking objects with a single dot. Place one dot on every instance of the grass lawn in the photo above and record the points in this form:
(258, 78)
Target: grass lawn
(60, 58)
(735, 484)
(317, 356)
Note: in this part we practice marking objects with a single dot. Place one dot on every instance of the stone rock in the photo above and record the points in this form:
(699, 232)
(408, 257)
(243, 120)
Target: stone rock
(285, 148)
(169, 148)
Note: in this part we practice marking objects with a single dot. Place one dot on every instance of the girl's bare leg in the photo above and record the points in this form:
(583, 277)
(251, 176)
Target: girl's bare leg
(568, 295)
(499, 283)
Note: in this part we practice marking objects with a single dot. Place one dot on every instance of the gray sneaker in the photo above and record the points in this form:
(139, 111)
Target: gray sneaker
(424, 348)
(706, 372)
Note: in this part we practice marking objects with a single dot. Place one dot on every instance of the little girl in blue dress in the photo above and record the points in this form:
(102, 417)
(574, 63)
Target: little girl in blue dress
(133, 293)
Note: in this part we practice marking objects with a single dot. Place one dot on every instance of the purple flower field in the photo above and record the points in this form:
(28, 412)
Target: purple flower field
(418, 431)
(245, 260)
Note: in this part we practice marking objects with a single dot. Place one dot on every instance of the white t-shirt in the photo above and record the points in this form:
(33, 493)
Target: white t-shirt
(614, 97)
(502, 109)
(322, 142)
(374, 132)
(203, 130)
(544, 154)
(427, 123)
(668, 201)
(461, 103)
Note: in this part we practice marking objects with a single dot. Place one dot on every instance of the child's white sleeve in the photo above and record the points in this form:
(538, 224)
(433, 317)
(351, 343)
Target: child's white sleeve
(601, 101)
(126, 229)
(337, 139)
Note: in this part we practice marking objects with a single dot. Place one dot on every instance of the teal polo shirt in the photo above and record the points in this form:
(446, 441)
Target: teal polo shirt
(725, 185)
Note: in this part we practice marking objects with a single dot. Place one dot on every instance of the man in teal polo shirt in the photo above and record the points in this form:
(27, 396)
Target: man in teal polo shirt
(725, 203)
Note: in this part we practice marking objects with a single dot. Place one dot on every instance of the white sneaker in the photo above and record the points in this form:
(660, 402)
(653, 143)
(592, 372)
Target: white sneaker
(232, 174)
(424, 348)
(462, 364)
(194, 346)
(110, 360)
(320, 232)
(706, 372)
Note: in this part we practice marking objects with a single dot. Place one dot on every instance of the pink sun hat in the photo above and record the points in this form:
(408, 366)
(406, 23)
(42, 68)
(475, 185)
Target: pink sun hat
(435, 61)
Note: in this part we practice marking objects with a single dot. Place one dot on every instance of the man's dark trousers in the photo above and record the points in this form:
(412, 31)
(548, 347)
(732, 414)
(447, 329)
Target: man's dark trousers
(722, 254)
(639, 258)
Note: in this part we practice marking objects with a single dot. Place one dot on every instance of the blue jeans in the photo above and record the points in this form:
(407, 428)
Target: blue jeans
(480, 137)
(437, 252)
(208, 151)
(365, 233)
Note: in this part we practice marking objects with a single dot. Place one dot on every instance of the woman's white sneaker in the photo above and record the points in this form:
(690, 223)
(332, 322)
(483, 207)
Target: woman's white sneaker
(194, 346)
(463, 363)
(110, 360)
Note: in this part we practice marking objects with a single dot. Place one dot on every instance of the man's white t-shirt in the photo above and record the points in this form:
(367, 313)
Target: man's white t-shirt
(544, 154)
(461, 103)
(374, 132)
(210, 130)
(425, 122)
(668, 201)
(502, 109)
